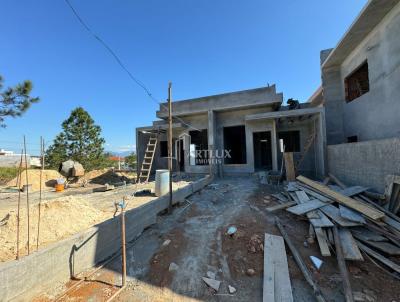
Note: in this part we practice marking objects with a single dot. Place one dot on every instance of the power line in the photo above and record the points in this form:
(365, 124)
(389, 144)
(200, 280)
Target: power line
(118, 60)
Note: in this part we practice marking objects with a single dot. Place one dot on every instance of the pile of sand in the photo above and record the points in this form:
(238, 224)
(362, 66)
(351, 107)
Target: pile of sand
(48, 179)
(60, 218)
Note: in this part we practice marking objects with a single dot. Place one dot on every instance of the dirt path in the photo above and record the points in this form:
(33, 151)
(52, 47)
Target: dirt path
(199, 243)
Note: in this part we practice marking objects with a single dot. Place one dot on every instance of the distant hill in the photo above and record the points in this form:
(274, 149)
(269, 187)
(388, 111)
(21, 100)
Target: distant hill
(122, 154)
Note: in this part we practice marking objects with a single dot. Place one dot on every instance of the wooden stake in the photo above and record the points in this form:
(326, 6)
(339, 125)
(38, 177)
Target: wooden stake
(19, 201)
(302, 266)
(27, 192)
(40, 193)
(342, 267)
(170, 145)
(123, 242)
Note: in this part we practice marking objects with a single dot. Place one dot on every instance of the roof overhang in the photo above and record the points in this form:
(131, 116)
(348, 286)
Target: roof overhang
(284, 114)
(370, 16)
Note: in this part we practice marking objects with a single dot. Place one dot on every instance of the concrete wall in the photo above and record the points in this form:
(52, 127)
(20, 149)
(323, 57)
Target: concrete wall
(374, 115)
(13, 160)
(21, 280)
(227, 101)
(365, 163)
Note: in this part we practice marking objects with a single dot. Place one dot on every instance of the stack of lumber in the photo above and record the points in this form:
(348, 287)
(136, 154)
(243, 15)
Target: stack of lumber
(364, 228)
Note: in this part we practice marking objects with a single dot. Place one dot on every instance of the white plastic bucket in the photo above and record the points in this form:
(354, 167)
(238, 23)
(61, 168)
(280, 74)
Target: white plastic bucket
(162, 182)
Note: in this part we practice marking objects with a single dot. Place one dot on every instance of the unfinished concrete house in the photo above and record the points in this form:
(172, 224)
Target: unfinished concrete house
(235, 132)
(360, 93)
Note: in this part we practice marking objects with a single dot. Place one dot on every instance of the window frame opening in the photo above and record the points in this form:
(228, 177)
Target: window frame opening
(357, 82)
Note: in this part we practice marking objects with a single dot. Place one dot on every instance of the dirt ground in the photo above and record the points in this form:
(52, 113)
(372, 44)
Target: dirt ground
(199, 243)
(62, 214)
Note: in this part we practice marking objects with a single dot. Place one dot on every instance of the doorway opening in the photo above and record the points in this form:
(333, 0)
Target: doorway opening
(235, 145)
(262, 150)
(181, 155)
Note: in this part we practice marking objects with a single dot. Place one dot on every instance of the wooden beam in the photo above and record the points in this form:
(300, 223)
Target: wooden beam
(349, 245)
(276, 285)
(322, 242)
(289, 166)
(379, 257)
(347, 201)
(280, 206)
(348, 293)
(306, 207)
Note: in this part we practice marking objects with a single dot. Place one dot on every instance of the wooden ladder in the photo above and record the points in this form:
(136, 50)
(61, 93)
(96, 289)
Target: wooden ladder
(148, 159)
(307, 147)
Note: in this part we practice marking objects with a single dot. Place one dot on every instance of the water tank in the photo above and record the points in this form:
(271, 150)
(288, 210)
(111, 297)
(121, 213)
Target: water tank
(162, 182)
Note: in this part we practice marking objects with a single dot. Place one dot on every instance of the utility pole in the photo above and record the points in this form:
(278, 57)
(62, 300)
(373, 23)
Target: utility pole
(170, 146)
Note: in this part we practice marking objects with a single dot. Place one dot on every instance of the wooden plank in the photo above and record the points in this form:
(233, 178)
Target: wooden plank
(306, 207)
(379, 257)
(322, 241)
(280, 206)
(277, 286)
(349, 214)
(280, 197)
(368, 235)
(393, 223)
(321, 222)
(316, 217)
(349, 246)
(385, 247)
(314, 194)
(302, 196)
(289, 166)
(351, 191)
(334, 213)
(351, 203)
(302, 266)
(348, 293)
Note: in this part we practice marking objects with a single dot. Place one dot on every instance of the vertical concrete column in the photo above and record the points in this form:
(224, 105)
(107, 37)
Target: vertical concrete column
(274, 147)
(334, 99)
(211, 140)
(321, 140)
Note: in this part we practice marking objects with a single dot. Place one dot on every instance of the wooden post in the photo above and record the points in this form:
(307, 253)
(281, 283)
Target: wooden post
(27, 192)
(342, 267)
(40, 194)
(123, 242)
(289, 164)
(170, 146)
(19, 201)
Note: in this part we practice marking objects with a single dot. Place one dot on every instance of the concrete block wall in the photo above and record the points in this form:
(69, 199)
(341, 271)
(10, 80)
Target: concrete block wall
(23, 279)
(365, 163)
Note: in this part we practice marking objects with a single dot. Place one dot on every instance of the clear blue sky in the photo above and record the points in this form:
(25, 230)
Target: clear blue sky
(204, 47)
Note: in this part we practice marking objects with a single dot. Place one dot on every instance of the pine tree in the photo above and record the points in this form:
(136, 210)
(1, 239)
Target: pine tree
(80, 141)
(15, 101)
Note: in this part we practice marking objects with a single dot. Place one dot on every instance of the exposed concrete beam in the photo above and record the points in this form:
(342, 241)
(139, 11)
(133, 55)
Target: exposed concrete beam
(244, 99)
(281, 114)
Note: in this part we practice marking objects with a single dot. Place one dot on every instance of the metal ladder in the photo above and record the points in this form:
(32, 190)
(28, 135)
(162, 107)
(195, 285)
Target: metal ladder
(307, 146)
(148, 159)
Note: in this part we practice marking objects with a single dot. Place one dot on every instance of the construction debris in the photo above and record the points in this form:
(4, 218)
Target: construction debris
(231, 230)
(173, 267)
(214, 284)
(231, 289)
(317, 262)
(359, 223)
(211, 275)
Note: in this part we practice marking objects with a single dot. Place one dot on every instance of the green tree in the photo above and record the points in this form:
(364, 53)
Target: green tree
(15, 101)
(80, 140)
(130, 160)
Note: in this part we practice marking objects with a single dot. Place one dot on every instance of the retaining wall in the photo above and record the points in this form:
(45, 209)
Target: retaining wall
(23, 279)
(365, 163)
